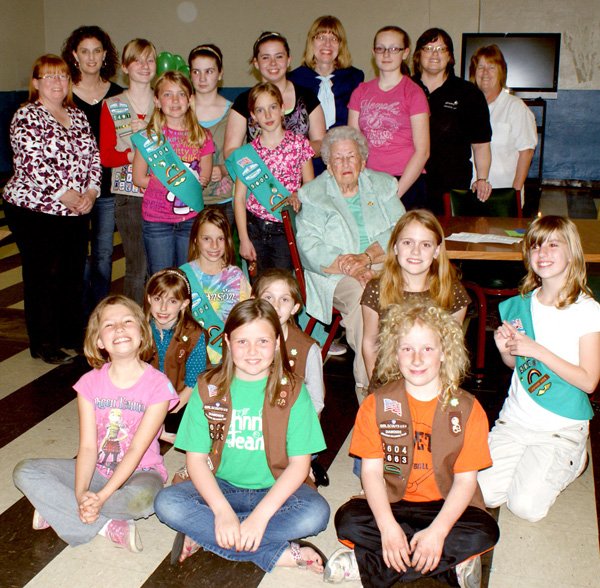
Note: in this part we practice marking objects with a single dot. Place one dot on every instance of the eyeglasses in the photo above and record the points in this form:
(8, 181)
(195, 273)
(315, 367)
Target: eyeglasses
(435, 49)
(61, 77)
(323, 37)
(380, 49)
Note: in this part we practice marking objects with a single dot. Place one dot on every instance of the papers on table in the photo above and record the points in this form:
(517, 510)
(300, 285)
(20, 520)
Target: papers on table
(479, 238)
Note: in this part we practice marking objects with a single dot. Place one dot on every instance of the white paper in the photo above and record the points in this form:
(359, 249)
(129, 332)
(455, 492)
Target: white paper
(480, 238)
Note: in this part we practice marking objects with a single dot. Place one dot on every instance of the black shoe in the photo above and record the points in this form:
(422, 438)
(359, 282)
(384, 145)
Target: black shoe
(53, 357)
(321, 477)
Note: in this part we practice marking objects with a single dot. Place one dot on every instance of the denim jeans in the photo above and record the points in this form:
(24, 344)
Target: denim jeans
(49, 485)
(98, 269)
(128, 216)
(303, 514)
(270, 243)
(166, 244)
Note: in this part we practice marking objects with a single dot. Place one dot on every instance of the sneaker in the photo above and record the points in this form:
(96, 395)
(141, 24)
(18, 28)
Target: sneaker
(39, 522)
(468, 573)
(124, 534)
(337, 349)
(341, 567)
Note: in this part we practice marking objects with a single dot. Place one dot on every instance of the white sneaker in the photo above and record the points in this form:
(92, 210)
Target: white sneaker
(337, 349)
(469, 573)
(341, 567)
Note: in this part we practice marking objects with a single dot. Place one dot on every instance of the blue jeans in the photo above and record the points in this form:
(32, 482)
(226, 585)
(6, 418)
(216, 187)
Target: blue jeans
(128, 216)
(166, 244)
(98, 270)
(49, 485)
(303, 514)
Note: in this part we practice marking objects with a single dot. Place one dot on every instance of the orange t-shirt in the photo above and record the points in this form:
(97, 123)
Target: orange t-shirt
(422, 487)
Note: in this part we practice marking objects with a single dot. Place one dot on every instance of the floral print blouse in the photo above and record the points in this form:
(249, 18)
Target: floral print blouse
(50, 159)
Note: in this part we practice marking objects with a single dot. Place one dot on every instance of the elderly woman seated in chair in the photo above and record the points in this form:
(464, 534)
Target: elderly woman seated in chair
(343, 229)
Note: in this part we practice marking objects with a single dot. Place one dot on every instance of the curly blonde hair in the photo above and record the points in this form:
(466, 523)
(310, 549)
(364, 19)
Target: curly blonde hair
(399, 320)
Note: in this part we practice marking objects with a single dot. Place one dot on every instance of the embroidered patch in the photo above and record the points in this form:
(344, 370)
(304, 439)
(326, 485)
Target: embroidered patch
(215, 412)
(455, 424)
(393, 429)
(181, 354)
(390, 468)
(454, 402)
(210, 463)
(212, 391)
(517, 323)
(392, 406)
(294, 352)
(216, 431)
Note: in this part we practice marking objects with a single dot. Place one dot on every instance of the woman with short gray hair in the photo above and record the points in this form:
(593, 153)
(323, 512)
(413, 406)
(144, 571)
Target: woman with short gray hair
(344, 226)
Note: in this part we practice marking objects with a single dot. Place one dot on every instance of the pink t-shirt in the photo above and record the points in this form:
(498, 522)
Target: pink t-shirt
(384, 119)
(160, 205)
(119, 412)
(285, 163)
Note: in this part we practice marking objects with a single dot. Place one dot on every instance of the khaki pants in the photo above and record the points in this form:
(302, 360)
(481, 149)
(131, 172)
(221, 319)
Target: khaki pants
(346, 298)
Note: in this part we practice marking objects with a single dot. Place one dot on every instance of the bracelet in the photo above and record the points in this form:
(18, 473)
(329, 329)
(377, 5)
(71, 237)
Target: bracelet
(482, 180)
(370, 264)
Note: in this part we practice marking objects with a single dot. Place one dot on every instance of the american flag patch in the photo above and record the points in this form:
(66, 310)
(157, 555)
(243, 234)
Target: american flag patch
(392, 406)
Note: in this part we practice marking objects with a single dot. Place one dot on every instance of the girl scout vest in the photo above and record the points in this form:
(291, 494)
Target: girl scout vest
(275, 424)
(397, 437)
(297, 345)
(121, 112)
(178, 353)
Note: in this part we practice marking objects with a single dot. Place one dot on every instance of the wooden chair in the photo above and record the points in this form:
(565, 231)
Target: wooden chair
(502, 202)
(289, 226)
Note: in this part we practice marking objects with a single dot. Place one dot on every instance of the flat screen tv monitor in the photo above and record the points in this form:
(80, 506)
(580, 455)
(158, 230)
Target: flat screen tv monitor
(531, 58)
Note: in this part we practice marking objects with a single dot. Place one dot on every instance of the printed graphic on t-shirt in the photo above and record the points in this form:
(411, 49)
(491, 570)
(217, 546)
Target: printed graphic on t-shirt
(114, 423)
(379, 122)
(245, 431)
(111, 448)
(422, 462)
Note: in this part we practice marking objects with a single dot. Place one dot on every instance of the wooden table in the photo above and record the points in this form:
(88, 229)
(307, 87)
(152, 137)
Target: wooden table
(589, 230)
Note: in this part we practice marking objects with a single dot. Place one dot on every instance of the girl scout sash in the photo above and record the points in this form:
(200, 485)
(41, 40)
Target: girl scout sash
(172, 173)
(205, 315)
(122, 177)
(544, 387)
(247, 165)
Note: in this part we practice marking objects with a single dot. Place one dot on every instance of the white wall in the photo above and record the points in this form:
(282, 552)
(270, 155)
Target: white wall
(30, 27)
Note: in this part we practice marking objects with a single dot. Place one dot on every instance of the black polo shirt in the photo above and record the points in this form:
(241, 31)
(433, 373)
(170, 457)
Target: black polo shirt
(459, 118)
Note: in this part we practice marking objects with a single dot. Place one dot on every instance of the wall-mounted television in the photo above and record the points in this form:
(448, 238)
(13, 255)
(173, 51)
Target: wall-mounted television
(532, 60)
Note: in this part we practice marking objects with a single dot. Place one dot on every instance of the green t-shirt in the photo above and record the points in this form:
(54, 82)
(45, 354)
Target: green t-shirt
(355, 208)
(244, 461)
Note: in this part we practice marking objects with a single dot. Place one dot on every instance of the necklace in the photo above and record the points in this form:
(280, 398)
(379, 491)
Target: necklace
(136, 107)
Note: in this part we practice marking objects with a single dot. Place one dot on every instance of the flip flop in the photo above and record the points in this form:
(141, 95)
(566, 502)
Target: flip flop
(179, 547)
(301, 563)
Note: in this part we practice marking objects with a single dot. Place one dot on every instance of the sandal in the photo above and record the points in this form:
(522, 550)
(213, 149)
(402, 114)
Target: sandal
(295, 549)
(183, 547)
(181, 475)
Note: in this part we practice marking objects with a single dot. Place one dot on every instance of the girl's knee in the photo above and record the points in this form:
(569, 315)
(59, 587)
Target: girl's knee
(22, 472)
(529, 507)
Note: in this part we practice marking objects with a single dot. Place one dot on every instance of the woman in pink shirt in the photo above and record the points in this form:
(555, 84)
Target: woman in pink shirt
(393, 114)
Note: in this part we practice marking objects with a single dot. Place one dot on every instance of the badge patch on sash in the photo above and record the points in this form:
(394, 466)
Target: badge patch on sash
(455, 423)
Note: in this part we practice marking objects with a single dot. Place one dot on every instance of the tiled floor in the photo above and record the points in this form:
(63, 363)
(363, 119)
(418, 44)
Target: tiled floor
(38, 418)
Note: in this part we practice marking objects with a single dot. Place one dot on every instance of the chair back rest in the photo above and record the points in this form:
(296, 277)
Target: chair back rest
(288, 214)
(502, 202)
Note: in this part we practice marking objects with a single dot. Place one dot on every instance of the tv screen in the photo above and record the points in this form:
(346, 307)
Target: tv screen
(531, 58)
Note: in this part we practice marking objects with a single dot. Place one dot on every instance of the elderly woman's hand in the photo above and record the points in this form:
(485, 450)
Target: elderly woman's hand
(294, 201)
(351, 263)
